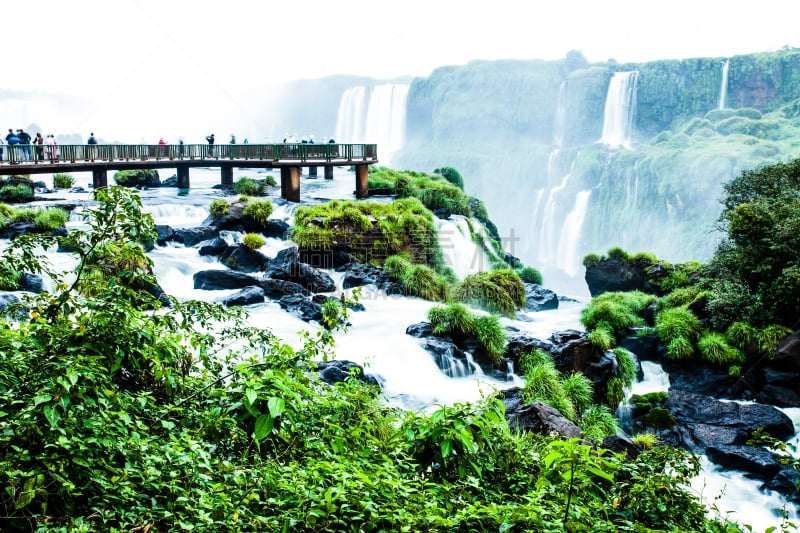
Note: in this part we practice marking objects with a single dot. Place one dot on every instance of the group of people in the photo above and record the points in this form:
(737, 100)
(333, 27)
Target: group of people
(27, 146)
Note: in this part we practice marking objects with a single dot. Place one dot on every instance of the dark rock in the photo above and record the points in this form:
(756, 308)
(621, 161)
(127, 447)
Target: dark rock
(538, 417)
(276, 228)
(539, 299)
(357, 275)
(698, 376)
(420, 329)
(442, 213)
(521, 343)
(244, 259)
(622, 444)
(275, 289)
(164, 233)
(192, 236)
(302, 307)
(246, 296)
(645, 347)
(451, 360)
(214, 247)
(761, 463)
(213, 280)
(31, 282)
(10, 231)
(787, 356)
(171, 181)
(785, 482)
(611, 275)
(325, 258)
(333, 372)
(287, 266)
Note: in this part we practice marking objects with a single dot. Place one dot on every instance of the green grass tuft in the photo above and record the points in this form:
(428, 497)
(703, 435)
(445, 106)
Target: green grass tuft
(253, 241)
(63, 181)
(578, 389)
(219, 207)
(258, 210)
(714, 349)
(598, 422)
(627, 366)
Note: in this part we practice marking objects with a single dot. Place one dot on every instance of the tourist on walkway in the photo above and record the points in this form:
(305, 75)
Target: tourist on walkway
(210, 140)
(91, 150)
(25, 143)
(162, 147)
(91, 139)
(38, 141)
(2, 144)
(52, 147)
(13, 141)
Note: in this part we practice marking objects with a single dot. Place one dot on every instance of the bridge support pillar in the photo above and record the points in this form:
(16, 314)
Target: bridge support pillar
(183, 177)
(290, 183)
(226, 172)
(99, 178)
(312, 172)
(328, 173)
(362, 181)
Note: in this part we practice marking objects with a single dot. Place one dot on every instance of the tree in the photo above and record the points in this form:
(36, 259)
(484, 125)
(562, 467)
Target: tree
(755, 271)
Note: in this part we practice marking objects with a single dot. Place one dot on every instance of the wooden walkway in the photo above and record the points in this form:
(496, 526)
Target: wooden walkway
(99, 159)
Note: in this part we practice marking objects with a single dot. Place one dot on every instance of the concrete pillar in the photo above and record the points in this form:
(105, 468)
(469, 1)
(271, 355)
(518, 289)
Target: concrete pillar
(328, 173)
(312, 172)
(183, 177)
(227, 175)
(362, 181)
(290, 183)
(99, 178)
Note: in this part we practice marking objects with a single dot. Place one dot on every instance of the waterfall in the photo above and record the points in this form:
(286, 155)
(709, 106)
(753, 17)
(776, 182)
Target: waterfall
(379, 119)
(567, 257)
(350, 119)
(560, 119)
(620, 110)
(459, 250)
(723, 90)
(386, 119)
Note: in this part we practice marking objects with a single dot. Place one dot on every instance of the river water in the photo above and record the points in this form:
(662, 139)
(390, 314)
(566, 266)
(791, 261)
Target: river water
(376, 338)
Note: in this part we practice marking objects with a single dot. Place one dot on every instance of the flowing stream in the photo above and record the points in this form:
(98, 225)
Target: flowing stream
(376, 338)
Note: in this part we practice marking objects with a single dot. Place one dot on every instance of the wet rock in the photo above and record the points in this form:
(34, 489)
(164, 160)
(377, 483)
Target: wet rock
(287, 266)
(243, 259)
(246, 296)
(539, 299)
(538, 417)
(302, 307)
(192, 236)
(333, 372)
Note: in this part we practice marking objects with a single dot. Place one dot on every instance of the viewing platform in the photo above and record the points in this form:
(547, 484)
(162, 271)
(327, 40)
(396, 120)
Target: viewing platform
(101, 158)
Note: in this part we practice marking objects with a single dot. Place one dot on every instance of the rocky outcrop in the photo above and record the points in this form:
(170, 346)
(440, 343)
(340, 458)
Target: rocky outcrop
(236, 220)
(287, 266)
(192, 236)
(615, 274)
(246, 296)
(243, 259)
(538, 417)
(212, 280)
(538, 298)
(302, 307)
(333, 372)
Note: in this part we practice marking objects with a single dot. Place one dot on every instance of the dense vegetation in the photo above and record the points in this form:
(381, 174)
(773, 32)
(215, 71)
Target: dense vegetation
(116, 419)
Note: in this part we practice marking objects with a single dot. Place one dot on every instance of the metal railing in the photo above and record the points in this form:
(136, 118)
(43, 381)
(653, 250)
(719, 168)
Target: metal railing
(301, 152)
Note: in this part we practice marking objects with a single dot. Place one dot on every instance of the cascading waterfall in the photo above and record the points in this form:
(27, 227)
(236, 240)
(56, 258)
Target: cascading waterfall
(459, 250)
(567, 257)
(351, 117)
(386, 119)
(723, 90)
(620, 110)
(560, 118)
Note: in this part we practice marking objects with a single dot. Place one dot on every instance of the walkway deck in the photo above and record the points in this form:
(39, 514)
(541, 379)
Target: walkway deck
(100, 158)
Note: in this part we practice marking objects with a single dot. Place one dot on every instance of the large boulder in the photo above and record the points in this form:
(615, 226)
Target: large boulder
(246, 296)
(612, 275)
(538, 417)
(192, 236)
(287, 266)
(215, 280)
(302, 307)
(333, 372)
(538, 298)
(243, 259)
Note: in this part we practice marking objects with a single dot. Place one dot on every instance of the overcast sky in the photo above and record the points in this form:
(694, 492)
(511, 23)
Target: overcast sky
(167, 53)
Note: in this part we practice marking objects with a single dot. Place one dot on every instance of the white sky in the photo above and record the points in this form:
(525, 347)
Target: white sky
(170, 53)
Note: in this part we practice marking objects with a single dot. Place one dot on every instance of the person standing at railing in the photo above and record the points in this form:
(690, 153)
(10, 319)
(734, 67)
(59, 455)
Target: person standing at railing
(52, 147)
(25, 142)
(13, 141)
(38, 142)
(162, 147)
(2, 144)
(210, 140)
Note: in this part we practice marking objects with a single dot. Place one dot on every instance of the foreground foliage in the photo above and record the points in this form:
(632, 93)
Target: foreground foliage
(115, 418)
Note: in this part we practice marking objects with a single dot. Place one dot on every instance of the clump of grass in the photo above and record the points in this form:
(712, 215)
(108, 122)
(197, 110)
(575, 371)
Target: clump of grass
(627, 366)
(543, 383)
(768, 338)
(219, 207)
(499, 291)
(578, 389)
(714, 349)
(253, 241)
(645, 440)
(332, 312)
(455, 319)
(249, 187)
(602, 337)
(258, 210)
(62, 180)
(423, 281)
(529, 274)
(619, 254)
(270, 181)
(615, 391)
(50, 218)
(591, 260)
(680, 349)
(677, 322)
(10, 279)
(17, 193)
(26, 214)
(528, 360)
(618, 311)
(740, 334)
(598, 422)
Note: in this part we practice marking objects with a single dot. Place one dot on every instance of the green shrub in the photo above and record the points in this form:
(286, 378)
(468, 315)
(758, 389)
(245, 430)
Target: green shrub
(397, 266)
(258, 210)
(51, 218)
(618, 254)
(680, 349)
(677, 322)
(6, 211)
(63, 181)
(249, 187)
(740, 334)
(714, 349)
(332, 312)
(10, 278)
(491, 335)
(426, 283)
(543, 383)
(645, 440)
(452, 175)
(598, 422)
(658, 418)
(528, 360)
(219, 207)
(591, 260)
(627, 366)
(499, 291)
(682, 296)
(17, 193)
(529, 274)
(617, 311)
(615, 392)
(449, 318)
(602, 337)
(270, 181)
(455, 319)
(26, 214)
(578, 389)
(768, 338)
(253, 241)
(136, 178)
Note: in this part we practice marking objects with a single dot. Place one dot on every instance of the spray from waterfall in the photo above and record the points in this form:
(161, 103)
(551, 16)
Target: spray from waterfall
(351, 119)
(723, 90)
(620, 110)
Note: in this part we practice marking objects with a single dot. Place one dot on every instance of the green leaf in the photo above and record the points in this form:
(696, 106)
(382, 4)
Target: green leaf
(52, 415)
(276, 406)
(447, 447)
(41, 398)
(251, 396)
(264, 425)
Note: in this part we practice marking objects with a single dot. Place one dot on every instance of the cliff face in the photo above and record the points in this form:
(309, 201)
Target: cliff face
(524, 135)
